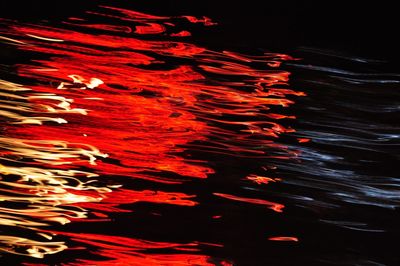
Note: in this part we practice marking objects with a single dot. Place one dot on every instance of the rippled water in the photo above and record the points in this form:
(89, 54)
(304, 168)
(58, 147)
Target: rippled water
(124, 142)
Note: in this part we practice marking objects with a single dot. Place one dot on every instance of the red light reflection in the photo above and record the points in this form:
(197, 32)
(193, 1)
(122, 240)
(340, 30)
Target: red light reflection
(284, 238)
(271, 205)
(120, 97)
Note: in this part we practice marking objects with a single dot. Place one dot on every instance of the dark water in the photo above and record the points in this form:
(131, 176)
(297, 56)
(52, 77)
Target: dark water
(162, 138)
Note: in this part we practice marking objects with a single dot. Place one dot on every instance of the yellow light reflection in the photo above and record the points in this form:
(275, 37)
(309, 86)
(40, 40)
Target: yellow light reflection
(27, 247)
(35, 191)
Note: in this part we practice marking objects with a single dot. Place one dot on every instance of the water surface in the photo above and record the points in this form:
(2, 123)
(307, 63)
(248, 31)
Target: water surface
(125, 142)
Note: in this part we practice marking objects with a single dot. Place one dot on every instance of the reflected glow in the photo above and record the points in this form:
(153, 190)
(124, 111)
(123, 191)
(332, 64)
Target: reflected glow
(284, 238)
(128, 251)
(271, 205)
(31, 248)
(118, 105)
(45, 39)
(262, 179)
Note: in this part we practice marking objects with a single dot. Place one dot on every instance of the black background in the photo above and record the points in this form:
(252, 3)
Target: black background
(362, 28)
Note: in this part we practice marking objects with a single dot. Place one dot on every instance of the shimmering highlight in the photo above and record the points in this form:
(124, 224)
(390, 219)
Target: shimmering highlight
(117, 104)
